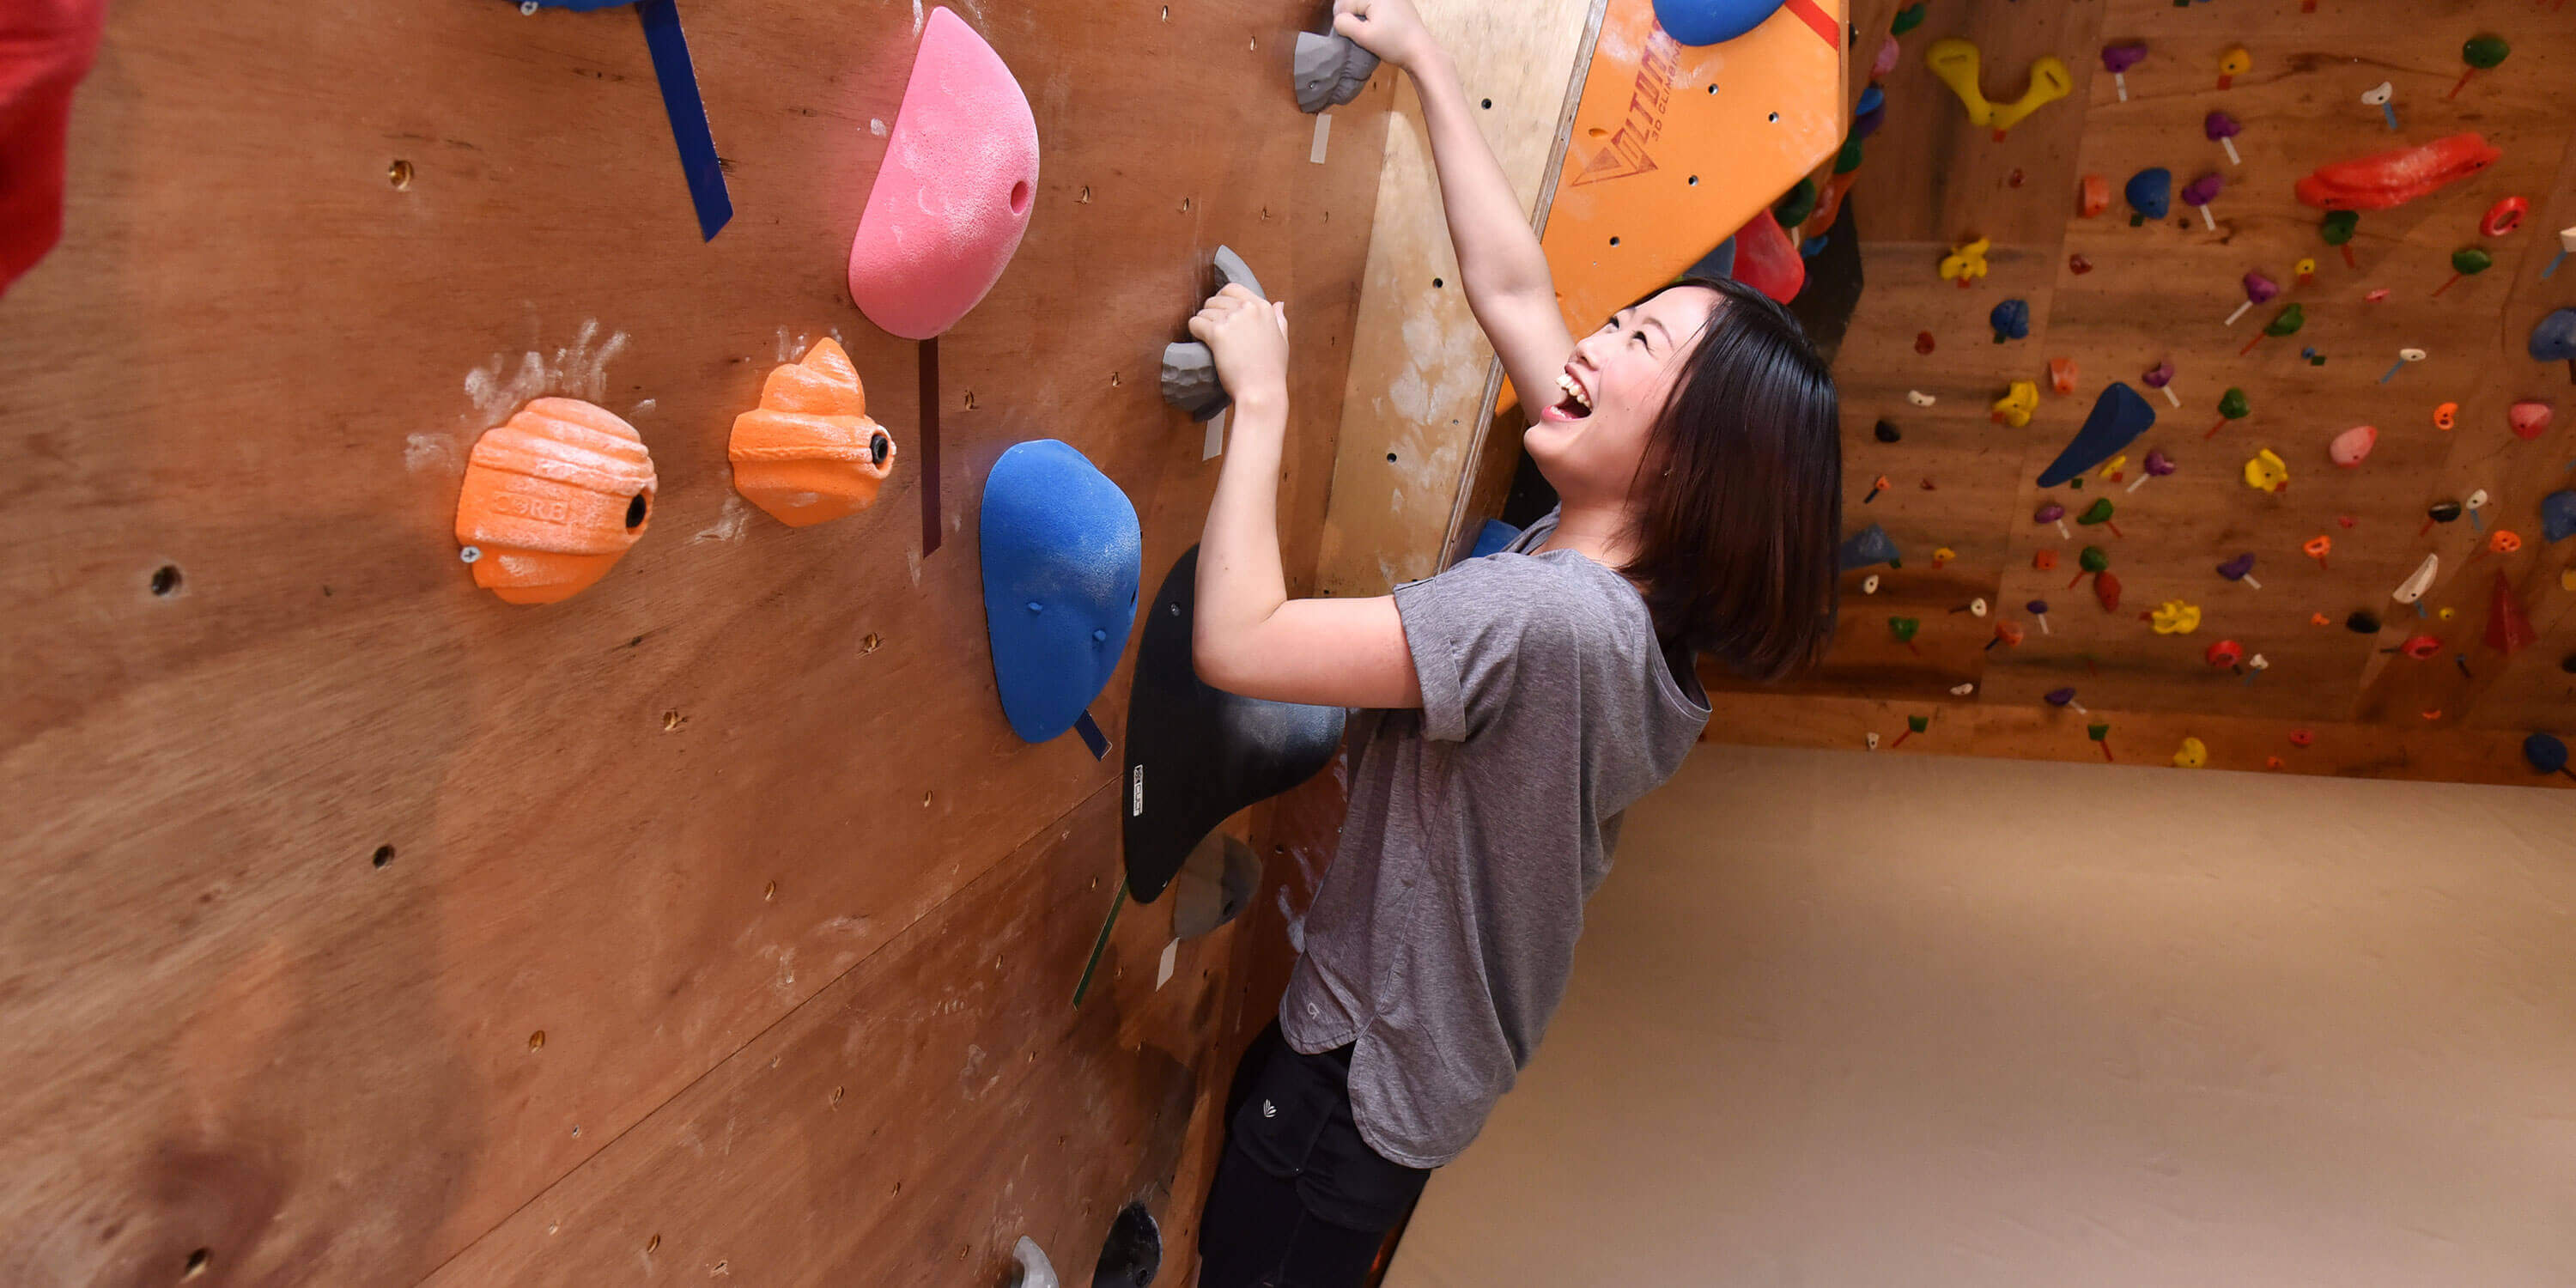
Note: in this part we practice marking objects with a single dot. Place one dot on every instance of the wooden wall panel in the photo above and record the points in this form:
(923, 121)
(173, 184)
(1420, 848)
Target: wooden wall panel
(2164, 291)
(647, 823)
(1422, 376)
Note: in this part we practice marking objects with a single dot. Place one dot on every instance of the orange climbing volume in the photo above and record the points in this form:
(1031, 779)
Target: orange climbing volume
(552, 498)
(809, 454)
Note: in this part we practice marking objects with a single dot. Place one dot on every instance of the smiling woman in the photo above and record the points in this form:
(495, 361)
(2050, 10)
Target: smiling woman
(1511, 708)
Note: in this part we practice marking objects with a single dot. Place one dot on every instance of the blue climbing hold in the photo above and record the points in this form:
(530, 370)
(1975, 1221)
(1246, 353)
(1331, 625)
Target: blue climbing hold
(2150, 194)
(1063, 556)
(2118, 417)
(2558, 516)
(2545, 752)
(2553, 338)
(1712, 22)
(2011, 320)
(1869, 114)
(1870, 545)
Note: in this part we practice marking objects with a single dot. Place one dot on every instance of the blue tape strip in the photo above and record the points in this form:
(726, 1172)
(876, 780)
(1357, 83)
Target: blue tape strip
(1091, 736)
(688, 114)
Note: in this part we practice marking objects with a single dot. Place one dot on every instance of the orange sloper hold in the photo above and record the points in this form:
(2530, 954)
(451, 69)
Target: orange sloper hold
(809, 454)
(552, 499)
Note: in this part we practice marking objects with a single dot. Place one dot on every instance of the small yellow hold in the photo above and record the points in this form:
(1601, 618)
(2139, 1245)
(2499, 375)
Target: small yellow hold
(2567, 579)
(2305, 268)
(2267, 472)
(2175, 617)
(2447, 614)
(2112, 467)
(2235, 62)
(2015, 407)
(1943, 555)
(2193, 755)
(1966, 263)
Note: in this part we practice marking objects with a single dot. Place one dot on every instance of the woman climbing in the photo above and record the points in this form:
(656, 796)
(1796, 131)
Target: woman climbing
(1510, 707)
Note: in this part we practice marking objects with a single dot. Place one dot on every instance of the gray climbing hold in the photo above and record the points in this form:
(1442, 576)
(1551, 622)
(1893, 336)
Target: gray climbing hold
(1189, 370)
(1330, 70)
(1033, 1269)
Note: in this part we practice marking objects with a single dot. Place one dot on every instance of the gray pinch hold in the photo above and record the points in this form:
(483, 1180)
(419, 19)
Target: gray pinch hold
(1189, 370)
(1329, 70)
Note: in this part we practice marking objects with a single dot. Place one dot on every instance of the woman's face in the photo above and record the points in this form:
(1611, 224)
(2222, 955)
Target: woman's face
(1589, 440)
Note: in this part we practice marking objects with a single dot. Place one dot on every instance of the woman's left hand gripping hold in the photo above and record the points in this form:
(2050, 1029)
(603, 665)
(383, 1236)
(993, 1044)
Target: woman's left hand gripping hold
(1249, 337)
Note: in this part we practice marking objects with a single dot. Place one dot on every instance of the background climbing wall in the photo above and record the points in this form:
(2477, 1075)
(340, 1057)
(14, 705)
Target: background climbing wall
(2119, 300)
(709, 925)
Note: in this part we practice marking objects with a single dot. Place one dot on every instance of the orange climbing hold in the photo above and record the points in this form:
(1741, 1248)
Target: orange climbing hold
(552, 499)
(809, 454)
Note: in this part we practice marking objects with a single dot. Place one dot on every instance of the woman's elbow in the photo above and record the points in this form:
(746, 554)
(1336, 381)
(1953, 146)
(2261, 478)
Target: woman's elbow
(1211, 660)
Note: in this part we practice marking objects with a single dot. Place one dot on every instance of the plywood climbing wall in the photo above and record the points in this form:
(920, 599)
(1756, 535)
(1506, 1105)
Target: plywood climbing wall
(712, 924)
(2119, 300)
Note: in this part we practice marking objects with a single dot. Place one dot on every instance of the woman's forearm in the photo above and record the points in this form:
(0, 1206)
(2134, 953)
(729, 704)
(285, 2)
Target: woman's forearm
(1498, 255)
(1240, 583)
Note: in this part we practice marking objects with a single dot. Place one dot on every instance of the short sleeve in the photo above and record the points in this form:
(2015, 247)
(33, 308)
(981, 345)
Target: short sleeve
(1475, 631)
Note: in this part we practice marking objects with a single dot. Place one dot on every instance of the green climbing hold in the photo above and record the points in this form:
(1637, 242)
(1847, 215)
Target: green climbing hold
(2484, 52)
(2232, 404)
(2097, 732)
(2291, 319)
(1907, 19)
(1796, 204)
(1848, 159)
(1917, 724)
(2469, 261)
(2098, 512)
(2093, 559)
(2339, 226)
(1903, 628)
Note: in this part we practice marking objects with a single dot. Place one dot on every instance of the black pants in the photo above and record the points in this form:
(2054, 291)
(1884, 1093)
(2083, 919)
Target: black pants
(1299, 1200)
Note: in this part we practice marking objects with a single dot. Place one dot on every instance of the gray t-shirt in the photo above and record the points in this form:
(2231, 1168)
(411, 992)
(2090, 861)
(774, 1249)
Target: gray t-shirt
(1444, 932)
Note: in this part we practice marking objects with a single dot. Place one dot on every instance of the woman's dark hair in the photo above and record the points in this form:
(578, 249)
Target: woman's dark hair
(1738, 499)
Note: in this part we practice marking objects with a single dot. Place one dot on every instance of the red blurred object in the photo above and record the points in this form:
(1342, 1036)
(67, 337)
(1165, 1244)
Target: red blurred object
(2504, 216)
(2224, 653)
(2078, 265)
(46, 47)
(2385, 179)
(2106, 587)
(2302, 737)
(2421, 648)
(2508, 627)
(2529, 420)
(1923, 342)
(1767, 261)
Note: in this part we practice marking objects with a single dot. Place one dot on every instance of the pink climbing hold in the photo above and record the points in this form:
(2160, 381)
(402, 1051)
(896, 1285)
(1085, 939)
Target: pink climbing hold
(952, 197)
(2352, 447)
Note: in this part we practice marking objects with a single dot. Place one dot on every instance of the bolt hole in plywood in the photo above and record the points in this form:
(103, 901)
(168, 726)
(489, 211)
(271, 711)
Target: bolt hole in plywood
(384, 854)
(197, 1263)
(165, 579)
(398, 174)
